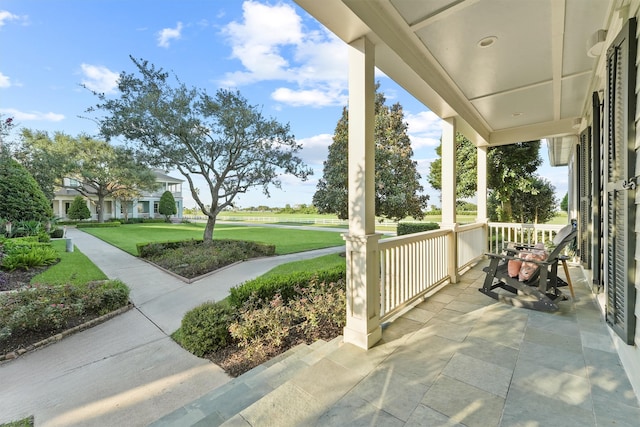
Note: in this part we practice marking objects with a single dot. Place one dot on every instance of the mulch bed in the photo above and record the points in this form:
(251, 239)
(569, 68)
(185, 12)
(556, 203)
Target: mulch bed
(17, 279)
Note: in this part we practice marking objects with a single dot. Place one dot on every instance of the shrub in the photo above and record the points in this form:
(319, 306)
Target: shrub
(46, 307)
(98, 224)
(192, 258)
(417, 227)
(149, 250)
(106, 296)
(265, 288)
(79, 209)
(58, 233)
(205, 328)
(21, 198)
(316, 311)
(167, 205)
(27, 255)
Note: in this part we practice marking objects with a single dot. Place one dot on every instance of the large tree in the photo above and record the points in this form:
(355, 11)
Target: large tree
(397, 182)
(511, 168)
(47, 159)
(510, 173)
(103, 170)
(221, 139)
(536, 206)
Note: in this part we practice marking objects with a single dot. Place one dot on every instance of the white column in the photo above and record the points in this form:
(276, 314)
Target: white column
(363, 277)
(482, 184)
(448, 167)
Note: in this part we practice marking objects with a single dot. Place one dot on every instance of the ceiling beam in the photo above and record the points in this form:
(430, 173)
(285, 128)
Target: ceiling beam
(442, 13)
(533, 132)
(557, 52)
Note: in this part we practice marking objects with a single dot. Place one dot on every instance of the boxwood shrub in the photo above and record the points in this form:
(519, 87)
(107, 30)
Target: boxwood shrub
(98, 224)
(205, 328)
(415, 227)
(265, 288)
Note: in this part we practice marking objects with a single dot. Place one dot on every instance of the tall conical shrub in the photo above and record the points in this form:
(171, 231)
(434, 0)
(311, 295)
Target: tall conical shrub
(21, 198)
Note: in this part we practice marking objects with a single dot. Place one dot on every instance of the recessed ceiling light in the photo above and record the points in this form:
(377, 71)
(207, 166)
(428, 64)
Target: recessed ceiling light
(487, 41)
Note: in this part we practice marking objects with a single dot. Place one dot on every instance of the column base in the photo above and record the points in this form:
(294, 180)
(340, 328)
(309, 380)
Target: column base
(362, 340)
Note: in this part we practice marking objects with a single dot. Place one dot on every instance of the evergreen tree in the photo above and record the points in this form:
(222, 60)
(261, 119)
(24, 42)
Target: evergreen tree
(396, 178)
(21, 198)
(466, 167)
(510, 170)
(564, 204)
(167, 206)
(78, 209)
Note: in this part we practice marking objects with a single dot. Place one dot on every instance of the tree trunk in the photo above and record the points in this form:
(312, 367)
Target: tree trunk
(125, 210)
(208, 230)
(99, 208)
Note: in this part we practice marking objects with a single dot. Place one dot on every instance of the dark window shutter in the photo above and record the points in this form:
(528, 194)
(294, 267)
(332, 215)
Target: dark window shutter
(620, 203)
(597, 242)
(585, 188)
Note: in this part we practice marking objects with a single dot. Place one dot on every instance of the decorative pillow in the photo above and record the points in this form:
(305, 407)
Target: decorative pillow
(528, 268)
(513, 267)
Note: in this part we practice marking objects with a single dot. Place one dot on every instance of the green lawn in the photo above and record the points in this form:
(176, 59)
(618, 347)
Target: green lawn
(286, 241)
(74, 268)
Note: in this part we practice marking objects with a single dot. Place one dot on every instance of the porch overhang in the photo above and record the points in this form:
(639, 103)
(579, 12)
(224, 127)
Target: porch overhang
(508, 72)
(560, 149)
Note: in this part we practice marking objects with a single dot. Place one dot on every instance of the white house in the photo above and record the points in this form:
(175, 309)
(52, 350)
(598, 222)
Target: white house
(144, 207)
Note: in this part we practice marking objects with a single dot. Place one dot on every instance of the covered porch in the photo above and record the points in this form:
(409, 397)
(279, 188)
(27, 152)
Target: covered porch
(457, 359)
(498, 72)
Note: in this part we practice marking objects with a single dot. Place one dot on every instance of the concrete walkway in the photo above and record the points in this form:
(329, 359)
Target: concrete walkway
(126, 371)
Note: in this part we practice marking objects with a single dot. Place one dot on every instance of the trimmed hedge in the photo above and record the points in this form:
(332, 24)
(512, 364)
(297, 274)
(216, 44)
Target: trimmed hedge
(285, 285)
(150, 250)
(58, 233)
(98, 224)
(138, 220)
(417, 227)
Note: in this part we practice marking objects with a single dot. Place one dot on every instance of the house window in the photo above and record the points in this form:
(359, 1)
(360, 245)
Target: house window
(143, 207)
(156, 207)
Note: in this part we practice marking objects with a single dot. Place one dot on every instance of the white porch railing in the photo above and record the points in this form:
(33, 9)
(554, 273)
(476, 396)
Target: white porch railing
(501, 233)
(410, 266)
(472, 244)
(415, 264)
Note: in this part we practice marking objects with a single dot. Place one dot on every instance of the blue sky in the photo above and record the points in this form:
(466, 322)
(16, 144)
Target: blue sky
(274, 53)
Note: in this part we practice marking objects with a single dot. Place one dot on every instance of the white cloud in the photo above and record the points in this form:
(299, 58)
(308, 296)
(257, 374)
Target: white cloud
(315, 149)
(167, 34)
(271, 44)
(6, 16)
(34, 115)
(99, 78)
(424, 129)
(4, 81)
(310, 97)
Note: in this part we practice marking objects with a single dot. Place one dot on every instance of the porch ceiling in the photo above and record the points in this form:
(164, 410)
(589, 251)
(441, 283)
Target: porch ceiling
(510, 70)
